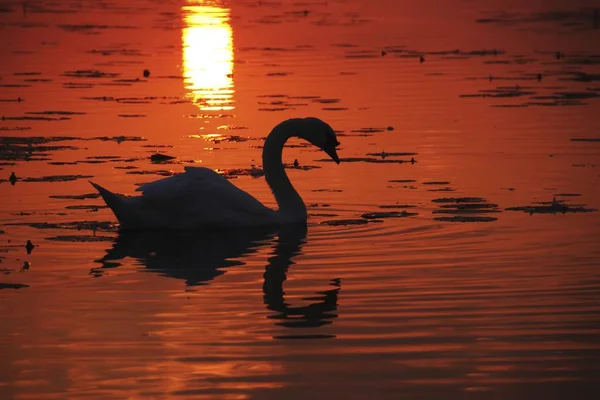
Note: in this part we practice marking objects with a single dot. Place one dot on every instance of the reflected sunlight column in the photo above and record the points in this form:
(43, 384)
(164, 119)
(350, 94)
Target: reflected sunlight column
(208, 55)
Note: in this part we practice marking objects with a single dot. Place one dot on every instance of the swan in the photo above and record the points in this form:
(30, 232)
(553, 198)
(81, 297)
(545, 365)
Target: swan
(201, 198)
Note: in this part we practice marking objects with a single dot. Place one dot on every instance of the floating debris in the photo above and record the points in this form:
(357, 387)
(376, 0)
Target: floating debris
(146, 73)
(161, 158)
(29, 247)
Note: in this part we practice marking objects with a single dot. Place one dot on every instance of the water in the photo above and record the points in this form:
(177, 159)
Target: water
(483, 282)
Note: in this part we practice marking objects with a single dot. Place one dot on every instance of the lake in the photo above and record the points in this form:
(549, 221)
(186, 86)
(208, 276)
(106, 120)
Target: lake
(452, 254)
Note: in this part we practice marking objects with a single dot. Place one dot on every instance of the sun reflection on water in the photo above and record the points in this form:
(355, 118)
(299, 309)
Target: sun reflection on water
(208, 56)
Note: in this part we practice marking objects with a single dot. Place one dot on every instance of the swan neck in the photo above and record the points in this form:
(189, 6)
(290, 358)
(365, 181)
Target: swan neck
(291, 205)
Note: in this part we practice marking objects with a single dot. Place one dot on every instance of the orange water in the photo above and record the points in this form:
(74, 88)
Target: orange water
(502, 306)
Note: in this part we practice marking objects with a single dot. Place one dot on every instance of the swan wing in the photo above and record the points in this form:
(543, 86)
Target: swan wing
(201, 197)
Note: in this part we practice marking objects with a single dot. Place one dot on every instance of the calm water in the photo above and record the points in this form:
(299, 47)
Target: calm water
(477, 277)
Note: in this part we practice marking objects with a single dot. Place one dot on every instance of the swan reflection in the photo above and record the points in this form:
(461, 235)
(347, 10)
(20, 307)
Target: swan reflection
(199, 257)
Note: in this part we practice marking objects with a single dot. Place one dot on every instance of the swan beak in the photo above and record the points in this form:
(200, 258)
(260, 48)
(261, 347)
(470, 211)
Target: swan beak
(333, 154)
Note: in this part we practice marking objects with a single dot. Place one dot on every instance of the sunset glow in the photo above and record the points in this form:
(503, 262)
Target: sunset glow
(208, 56)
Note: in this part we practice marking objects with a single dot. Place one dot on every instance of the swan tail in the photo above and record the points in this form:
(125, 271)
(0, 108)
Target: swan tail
(114, 201)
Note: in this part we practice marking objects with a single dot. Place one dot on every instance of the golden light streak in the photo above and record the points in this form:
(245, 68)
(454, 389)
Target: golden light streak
(208, 56)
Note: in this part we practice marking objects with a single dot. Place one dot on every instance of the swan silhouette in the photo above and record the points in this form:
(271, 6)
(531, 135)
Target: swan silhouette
(201, 198)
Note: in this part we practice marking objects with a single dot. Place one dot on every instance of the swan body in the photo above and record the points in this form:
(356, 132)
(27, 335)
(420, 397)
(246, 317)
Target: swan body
(201, 198)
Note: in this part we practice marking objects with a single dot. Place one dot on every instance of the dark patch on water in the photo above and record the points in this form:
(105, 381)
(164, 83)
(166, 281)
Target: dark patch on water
(581, 77)
(585, 139)
(28, 118)
(6, 285)
(75, 196)
(345, 222)
(386, 206)
(459, 200)
(306, 336)
(436, 183)
(368, 130)
(366, 160)
(119, 139)
(463, 218)
(446, 189)
(274, 109)
(26, 73)
(565, 20)
(75, 225)
(384, 154)
(387, 214)
(159, 158)
(63, 162)
(89, 73)
(86, 207)
(81, 238)
(93, 29)
(233, 173)
(465, 209)
(55, 113)
(301, 167)
(16, 149)
(75, 85)
(160, 172)
(57, 178)
(402, 181)
(552, 207)
(120, 52)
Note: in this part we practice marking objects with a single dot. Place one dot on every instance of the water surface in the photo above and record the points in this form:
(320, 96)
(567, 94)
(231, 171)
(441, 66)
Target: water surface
(452, 254)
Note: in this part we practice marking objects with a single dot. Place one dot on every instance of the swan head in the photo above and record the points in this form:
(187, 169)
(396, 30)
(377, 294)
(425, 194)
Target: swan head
(320, 134)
